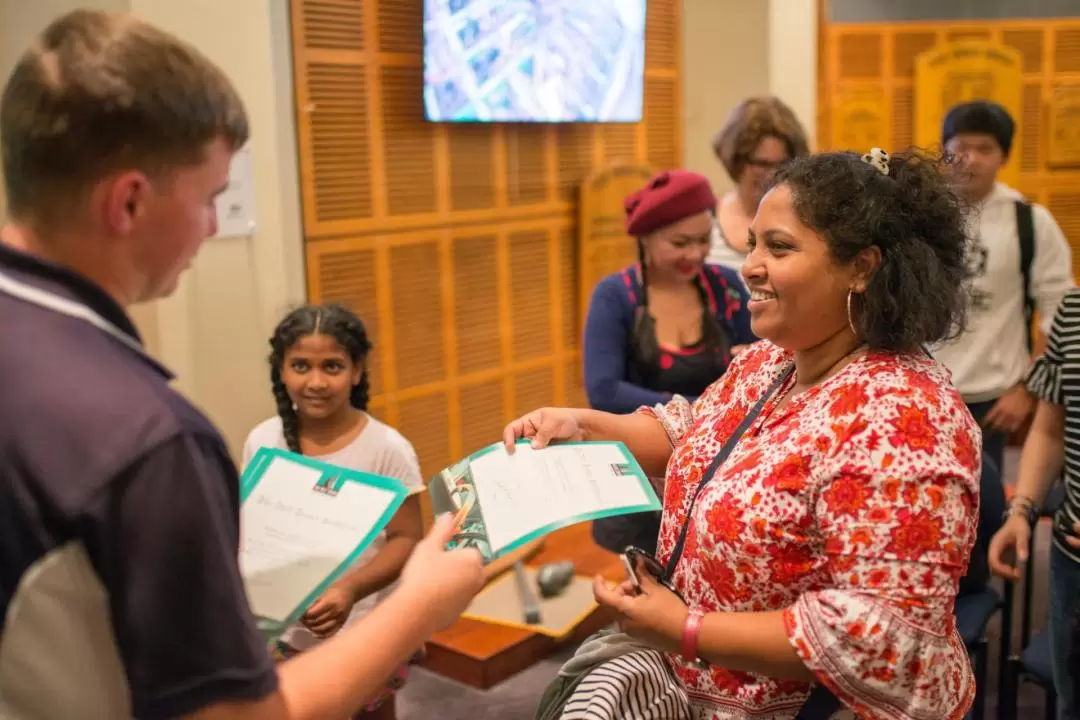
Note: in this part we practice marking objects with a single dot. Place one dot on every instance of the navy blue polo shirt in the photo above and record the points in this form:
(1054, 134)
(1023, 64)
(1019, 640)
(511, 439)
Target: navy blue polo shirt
(119, 516)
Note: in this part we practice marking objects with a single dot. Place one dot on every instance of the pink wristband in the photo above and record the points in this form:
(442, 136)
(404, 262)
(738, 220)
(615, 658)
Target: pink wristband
(691, 629)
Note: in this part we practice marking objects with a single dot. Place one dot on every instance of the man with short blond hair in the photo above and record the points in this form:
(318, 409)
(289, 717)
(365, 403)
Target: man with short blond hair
(119, 587)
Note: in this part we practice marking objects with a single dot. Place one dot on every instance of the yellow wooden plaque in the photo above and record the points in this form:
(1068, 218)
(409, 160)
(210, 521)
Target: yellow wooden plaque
(858, 120)
(956, 72)
(1064, 149)
(603, 245)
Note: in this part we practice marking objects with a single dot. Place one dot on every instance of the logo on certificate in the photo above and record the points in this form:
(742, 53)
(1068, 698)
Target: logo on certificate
(327, 485)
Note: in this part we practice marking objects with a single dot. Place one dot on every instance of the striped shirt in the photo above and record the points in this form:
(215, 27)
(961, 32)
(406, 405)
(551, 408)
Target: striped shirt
(637, 685)
(1055, 378)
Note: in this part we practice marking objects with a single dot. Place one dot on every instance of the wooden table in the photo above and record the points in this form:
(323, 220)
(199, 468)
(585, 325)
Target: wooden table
(484, 654)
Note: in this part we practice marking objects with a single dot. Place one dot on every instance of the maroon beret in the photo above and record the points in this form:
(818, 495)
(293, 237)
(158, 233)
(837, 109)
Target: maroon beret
(666, 199)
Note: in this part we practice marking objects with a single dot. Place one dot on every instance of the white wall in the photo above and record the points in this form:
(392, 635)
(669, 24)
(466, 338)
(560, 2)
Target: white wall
(733, 49)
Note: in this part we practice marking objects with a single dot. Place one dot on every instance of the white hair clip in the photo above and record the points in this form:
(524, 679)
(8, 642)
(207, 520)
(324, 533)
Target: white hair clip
(879, 159)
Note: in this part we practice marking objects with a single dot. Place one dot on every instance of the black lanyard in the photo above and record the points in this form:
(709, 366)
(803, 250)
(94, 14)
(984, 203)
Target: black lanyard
(725, 451)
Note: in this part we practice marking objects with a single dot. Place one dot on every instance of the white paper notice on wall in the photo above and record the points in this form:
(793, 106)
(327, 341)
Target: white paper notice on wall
(236, 206)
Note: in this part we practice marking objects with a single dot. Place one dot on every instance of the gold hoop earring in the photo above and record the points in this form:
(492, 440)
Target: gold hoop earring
(850, 317)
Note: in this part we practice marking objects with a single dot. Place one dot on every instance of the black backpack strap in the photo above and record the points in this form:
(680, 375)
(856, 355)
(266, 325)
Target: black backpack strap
(1025, 228)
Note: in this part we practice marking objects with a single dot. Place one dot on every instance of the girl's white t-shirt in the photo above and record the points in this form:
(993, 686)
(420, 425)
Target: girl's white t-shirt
(378, 449)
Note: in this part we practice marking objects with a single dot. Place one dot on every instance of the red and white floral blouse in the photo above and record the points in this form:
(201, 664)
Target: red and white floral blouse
(853, 508)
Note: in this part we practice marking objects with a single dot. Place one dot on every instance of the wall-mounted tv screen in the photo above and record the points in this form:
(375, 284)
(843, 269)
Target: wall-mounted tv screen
(534, 60)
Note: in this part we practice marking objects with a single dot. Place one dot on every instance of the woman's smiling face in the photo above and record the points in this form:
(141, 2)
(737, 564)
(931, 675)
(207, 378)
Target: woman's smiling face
(798, 292)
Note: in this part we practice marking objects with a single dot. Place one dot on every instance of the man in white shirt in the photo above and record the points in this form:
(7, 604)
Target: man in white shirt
(1022, 263)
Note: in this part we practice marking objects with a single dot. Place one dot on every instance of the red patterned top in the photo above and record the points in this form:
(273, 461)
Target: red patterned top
(853, 508)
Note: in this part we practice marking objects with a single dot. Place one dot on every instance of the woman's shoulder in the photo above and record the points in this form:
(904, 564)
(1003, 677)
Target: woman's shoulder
(391, 447)
(268, 433)
(912, 395)
(620, 288)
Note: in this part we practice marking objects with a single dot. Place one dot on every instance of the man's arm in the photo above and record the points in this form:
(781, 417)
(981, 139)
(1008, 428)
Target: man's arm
(164, 539)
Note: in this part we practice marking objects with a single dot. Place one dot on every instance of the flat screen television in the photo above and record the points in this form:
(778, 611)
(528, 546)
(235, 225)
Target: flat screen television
(570, 61)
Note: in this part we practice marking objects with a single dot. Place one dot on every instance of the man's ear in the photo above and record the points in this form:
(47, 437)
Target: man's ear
(124, 200)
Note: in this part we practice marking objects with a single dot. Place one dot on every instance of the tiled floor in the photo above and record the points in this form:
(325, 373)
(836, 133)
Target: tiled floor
(431, 696)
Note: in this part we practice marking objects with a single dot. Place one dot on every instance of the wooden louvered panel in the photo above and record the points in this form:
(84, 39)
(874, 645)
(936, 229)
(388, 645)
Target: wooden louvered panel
(378, 177)
(1067, 50)
(530, 312)
(534, 389)
(472, 176)
(903, 112)
(425, 422)
(1065, 207)
(340, 152)
(575, 384)
(860, 55)
(661, 34)
(906, 47)
(526, 164)
(620, 143)
(408, 143)
(476, 309)
(1030, 45)
(958, 35)
(661, 124)
(568, 265)
(1031, 129)
(417, 307)
(349, 278)
(401, 26)
(574, 143)
(333, 24)
(482, 415)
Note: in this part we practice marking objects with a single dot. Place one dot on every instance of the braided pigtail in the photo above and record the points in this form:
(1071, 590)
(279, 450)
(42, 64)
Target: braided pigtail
(645, 345)
(298, 323)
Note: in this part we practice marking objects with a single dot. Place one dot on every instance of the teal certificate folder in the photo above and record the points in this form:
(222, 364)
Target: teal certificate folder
(303, 523)
(502, 501)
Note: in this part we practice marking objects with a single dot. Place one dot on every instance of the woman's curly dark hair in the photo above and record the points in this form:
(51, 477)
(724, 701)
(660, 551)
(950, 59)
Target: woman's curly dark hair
(334, 321)
(918, 294)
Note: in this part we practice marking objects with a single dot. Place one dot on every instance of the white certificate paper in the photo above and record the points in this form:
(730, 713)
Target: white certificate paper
(505, 500)
(302, 524)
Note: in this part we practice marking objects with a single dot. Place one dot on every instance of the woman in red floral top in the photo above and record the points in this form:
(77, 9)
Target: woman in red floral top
(828, 546)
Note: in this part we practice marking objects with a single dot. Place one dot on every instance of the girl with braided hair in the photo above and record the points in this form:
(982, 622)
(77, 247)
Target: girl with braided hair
(318, 374)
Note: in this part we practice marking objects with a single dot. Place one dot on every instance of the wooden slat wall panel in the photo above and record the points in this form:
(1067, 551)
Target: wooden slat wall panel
(481, 416)
(340, 151)
(417, 307)
(852, 60)
(662, 131)
(568, 264)
(409, 143)
(526, 164)
(620, 143)
(472, 174)
(456, 244)
(334, 25)
(475, 314)
(530, 309)
(534, 389)
(348, 278)
(574, 146)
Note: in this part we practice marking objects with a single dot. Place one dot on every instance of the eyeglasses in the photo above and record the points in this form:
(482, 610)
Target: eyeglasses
(764, 164)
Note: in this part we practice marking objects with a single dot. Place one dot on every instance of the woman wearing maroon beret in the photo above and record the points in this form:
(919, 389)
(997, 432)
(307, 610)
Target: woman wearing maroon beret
(665, 326)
